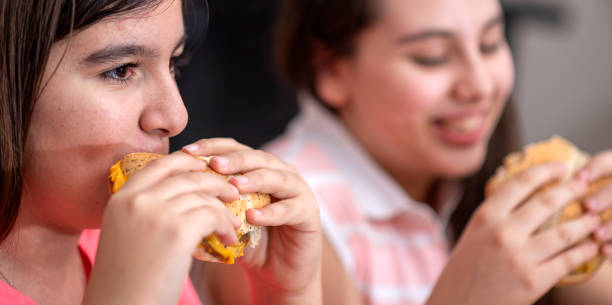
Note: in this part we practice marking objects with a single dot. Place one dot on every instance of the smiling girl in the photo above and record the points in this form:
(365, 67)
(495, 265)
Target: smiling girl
(400, 103)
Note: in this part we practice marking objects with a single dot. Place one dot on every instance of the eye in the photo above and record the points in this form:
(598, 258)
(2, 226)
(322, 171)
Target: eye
(121, 74)
(177, 62)
(429, 61)
(490, 48)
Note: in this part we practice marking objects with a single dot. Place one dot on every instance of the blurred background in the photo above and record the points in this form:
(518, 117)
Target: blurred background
(563, 52)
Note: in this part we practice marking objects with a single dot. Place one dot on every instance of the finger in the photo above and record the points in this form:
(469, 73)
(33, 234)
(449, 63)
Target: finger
(518, 188)
(183, 203)
(279, 184)
(598, 167)
(214, 146)
(561, 265)
(602, 199)
(545, 204)
(164, 167)
(213, 185)
(206, 219)
(243, 161)
(276, 214)
(603, 234)
(554, 240)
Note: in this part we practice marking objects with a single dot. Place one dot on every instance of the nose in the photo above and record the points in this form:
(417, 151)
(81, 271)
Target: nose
(475, 81)
(165, 114)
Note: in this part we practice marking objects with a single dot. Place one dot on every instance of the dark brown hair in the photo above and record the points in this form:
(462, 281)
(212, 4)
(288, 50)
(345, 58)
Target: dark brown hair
(305, 25)
(28, 29)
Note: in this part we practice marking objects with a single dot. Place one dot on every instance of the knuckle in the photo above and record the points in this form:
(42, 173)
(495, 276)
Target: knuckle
(174, 230)
(549, 200)
(482, 218)
(502, 239)
(137, 203)
(292, 167)
(266, 157)
(528, 281)
(528, 178)
(564, 235)
(285, 177)
(570, 260)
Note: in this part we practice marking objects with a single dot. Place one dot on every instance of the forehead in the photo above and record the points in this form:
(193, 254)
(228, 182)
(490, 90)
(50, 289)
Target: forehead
(160, 28)
(458, 15)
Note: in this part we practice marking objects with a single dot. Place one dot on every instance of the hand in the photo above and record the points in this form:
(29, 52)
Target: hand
(151, 228)
(286, 267)
(503, 257)
(600, 167)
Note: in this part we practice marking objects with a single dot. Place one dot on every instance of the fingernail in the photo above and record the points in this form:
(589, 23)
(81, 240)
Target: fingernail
(235, 189)
(221, 161)
(191, 148)
(236, 221)
(256, 213)
(241, 179)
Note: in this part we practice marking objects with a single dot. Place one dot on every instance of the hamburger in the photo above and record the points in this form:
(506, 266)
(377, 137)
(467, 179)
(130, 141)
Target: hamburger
(556, 149)
(210, 248)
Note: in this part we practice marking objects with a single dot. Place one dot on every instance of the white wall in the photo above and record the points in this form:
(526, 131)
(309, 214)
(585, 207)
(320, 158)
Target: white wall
(564, 80)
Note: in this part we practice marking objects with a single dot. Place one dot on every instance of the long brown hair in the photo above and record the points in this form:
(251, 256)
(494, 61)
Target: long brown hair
(303, 25)
(28, 30)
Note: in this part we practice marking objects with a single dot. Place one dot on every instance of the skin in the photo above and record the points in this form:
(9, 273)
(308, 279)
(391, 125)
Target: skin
(417, 72)
(96, 108)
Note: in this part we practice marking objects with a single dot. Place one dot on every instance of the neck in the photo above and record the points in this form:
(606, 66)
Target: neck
(33, 257)
(419, 187)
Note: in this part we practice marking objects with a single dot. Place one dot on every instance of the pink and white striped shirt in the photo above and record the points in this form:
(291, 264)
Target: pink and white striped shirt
(392, 247)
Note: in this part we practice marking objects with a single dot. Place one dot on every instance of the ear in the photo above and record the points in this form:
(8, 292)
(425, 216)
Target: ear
(332, 77)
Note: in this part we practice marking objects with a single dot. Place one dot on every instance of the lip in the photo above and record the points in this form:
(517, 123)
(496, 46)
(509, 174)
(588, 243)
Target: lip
(160, 149)
(455, 137)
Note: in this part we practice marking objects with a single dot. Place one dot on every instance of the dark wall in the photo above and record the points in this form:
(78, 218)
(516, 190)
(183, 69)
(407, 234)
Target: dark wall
(230, 87)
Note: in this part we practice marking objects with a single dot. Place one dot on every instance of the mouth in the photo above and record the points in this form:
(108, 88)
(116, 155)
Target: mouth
(461, 130)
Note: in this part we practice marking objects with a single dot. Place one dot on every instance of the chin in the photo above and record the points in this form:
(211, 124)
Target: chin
(463, 165)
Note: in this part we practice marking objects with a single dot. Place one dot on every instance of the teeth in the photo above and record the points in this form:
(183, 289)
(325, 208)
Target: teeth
(464, 125)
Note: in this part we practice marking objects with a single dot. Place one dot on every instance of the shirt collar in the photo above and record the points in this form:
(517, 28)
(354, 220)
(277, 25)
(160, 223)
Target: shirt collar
(378, 195)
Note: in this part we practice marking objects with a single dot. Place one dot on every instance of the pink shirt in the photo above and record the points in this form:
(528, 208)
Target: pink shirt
(393, 247)
(87, 245)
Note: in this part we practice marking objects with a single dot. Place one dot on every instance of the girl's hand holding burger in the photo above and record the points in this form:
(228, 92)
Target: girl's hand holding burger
(286, 267)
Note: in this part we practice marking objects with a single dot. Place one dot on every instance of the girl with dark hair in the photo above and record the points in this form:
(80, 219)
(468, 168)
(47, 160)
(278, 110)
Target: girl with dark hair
(404, 116)
(84, 82)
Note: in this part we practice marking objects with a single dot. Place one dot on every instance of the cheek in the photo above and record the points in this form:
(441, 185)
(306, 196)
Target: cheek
(73, 137)
(400, 90)
(407, 96)
(504, 74)
(77, 117)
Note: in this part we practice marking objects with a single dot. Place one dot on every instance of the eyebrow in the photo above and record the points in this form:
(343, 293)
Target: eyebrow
(114, 53)
(444, 33)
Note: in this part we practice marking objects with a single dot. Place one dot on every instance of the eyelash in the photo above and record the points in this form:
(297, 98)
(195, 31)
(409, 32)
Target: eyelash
(432, 62)
(490, 48)
(177, 62)
(111, 75)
